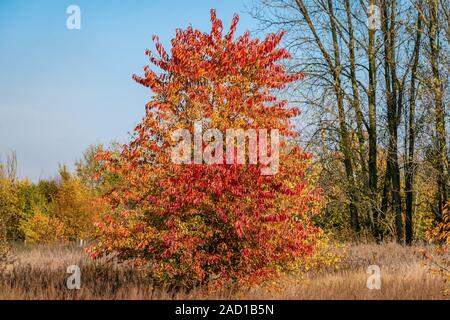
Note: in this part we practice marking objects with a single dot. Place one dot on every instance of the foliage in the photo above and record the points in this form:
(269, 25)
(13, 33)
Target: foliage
(439, 260)
(328, 255)
(42, 228)
(69, 215)
(88, 168)
(9, 207)
(56, 210)
(193, 224)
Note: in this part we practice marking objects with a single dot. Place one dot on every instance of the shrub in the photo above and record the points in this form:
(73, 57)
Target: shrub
(439, 259)
(68, 215)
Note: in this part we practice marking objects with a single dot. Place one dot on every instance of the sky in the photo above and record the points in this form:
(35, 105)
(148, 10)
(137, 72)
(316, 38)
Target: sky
(62, 90)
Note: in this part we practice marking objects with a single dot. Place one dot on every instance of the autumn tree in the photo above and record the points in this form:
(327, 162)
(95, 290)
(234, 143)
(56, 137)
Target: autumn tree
(62, 210)
(194, 223)
(9, 201)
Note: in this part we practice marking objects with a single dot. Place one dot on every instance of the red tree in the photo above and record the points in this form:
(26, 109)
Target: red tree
(195, 223)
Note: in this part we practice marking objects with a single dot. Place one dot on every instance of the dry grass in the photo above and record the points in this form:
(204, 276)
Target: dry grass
(39, 272)
(403, 276)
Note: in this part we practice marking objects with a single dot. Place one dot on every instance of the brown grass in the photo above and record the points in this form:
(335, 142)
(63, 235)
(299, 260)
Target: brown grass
(39, 272)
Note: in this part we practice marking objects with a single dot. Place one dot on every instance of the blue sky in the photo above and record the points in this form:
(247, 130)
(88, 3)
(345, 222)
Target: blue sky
(62, 90)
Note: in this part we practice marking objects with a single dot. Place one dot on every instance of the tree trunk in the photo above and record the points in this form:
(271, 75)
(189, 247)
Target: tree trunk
(393, 107)
(335, 69)
(372, 131)
(411, 135)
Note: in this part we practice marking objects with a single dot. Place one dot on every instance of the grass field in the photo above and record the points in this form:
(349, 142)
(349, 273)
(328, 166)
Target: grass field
(39, 272)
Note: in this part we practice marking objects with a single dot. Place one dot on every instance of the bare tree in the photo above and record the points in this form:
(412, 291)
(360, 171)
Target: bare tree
(355, 118)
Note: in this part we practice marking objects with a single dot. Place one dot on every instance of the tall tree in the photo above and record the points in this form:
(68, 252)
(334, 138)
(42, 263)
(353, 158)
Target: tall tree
(411, 133)
(394, 104)
(353, 112)
(334, 66)
(372, 129)
(439, 111)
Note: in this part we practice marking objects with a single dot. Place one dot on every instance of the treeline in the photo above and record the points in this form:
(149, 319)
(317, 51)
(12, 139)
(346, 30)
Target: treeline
(374, 114)
(52, 210)
(374, 108)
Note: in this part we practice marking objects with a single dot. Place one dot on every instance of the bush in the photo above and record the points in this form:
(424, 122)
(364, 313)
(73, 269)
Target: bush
(68, 215)
(439, 259)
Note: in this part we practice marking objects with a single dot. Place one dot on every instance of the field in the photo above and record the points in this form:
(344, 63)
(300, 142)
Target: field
(39, 272)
